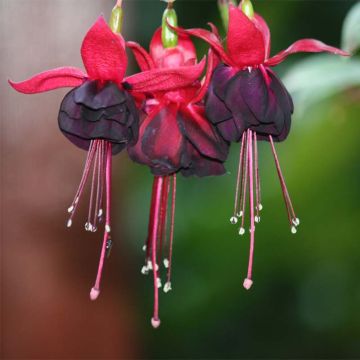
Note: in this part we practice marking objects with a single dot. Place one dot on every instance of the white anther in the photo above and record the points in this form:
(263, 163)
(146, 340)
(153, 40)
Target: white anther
(166, 263)
(167, 287)
(158, 283)
(144, 248)
(260, 207)
(149, 265)
(240, 214)
(144, 270)
(248, 284)
(100, 213)
(233, 220)
(107, 228)
(69, 223)
(71, 209)
(293, 230)
(257, 219)
(241, 231)
(88, 226)
(296, 222)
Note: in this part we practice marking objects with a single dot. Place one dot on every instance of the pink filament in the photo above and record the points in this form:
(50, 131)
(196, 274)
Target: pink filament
(172, 225)
(239, 174)
(288, 203)
(89, 160)
(155, 212)
(252, 220)
(244, 185)
(257, 177)
(108, 215)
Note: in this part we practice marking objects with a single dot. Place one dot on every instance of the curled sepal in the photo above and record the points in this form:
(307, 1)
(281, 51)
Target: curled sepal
(304, 45)
(142, 57)
(211, 38)
(50, 80)
(103, 53)
(165, 79)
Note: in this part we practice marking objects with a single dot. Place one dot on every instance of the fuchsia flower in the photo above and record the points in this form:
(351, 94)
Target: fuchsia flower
(174, 132)
(175, 136)
(247, 102)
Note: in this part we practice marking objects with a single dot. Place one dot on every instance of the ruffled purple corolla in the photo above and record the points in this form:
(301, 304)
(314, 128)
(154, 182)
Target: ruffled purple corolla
(92, 111)
(245, 100)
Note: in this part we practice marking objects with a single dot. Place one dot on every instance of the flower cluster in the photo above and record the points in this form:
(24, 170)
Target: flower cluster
(173, 119)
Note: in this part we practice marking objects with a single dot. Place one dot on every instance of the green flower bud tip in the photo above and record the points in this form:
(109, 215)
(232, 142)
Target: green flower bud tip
(223, 6)
(247, 8)
(116, 18)
(169, 37)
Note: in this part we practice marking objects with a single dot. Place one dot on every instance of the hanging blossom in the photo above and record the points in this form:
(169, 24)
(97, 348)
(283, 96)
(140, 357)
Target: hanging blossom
(100, 116)
(174, 136)
(247, 102)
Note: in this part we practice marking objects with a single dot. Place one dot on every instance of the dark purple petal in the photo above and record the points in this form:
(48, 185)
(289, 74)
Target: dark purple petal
(162, 141)
(202, 166)
(201, 133)
(256, 103)
(82, 120)
(92, 95)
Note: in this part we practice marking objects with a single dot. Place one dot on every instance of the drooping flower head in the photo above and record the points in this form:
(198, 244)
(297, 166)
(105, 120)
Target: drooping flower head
(98, 115)
(174, 136)
(247, 102)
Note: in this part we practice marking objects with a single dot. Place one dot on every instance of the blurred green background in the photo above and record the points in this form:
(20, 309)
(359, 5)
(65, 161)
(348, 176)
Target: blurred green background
(306, 294)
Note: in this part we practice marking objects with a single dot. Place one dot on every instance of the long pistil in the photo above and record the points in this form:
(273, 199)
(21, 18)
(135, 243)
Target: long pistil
(248, 281)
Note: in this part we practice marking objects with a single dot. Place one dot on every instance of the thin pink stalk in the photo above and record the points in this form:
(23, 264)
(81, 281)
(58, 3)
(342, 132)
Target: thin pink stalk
(257, 178)
(288, 204)
(172, 226)
(244, 185)
(238, 180)
(158, 185)
(248, 281)
(89, 159)
(95, 291)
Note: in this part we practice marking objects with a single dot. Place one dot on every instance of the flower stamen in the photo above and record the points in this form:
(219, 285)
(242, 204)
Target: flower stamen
(95, 291)
(293, 220)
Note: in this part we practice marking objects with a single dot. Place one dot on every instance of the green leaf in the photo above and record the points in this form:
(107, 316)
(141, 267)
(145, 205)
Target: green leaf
(351, 30)
(319, 77)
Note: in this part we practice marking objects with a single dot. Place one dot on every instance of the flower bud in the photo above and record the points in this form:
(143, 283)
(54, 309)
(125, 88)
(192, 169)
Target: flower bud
(223, 6)
(247, 8)
(169, 37)
(116, 18)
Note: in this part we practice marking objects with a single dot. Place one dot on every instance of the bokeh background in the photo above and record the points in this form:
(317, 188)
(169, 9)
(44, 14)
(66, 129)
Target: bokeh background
(305, 300)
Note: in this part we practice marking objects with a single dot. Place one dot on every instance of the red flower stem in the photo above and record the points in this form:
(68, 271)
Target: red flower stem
(155, 212)
(252, 219)
(172, 226)
(95, 291)
(238, 180)
(286, 196)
